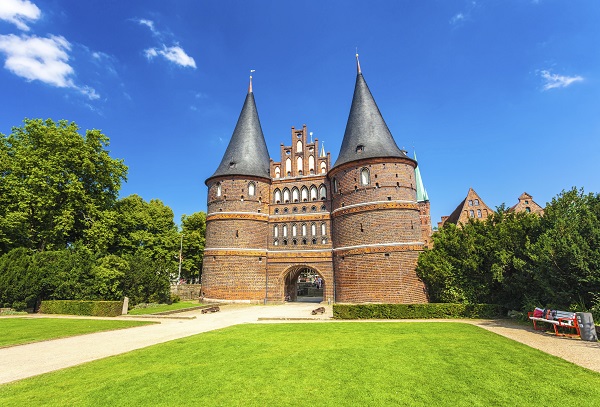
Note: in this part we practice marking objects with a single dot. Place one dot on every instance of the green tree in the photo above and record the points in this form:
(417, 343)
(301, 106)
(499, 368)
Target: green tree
(53, 184)
(567, 254)
(193, 228)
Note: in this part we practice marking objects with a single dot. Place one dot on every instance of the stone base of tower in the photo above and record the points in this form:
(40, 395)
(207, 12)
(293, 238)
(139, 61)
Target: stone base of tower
(234, 278)
(382, 277)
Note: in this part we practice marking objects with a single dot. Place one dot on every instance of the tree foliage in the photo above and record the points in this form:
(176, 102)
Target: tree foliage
(519, 259)
(193, 228)
(53, 182)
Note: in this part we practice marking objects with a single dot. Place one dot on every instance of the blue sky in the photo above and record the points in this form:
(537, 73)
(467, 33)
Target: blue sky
(500, 95)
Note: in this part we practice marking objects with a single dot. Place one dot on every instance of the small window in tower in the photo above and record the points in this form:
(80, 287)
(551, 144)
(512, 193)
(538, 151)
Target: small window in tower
(365, 177)
(526, 202)
(299, 145)
(251, 189)
(335, 185)
(287, 152)
(218, 189)
(232, 164)
(360, 148)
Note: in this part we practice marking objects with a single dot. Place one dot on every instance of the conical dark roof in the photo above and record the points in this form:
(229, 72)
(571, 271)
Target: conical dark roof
(367, 135)
(247, 152)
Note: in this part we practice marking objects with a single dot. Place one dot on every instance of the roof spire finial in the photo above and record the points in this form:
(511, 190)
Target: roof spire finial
(357, 62)
(250, 85)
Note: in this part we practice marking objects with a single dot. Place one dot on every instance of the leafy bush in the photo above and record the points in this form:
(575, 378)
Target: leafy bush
(74, 307)
(416, 311)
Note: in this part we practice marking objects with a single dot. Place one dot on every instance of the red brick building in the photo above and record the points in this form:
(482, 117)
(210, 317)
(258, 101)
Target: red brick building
(470, 207)
(527, 204)
(357, 224)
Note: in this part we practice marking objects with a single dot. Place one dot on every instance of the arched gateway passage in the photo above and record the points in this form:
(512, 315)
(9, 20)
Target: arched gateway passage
(303, 284)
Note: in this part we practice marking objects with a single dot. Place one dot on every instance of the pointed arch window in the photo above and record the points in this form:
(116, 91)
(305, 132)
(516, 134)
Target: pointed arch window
(299, 165)
(286, 195)
(335, 186)
(251, 189)
(295, 195)
(323, 192)
(284, 231)
(277, 194)
(313, 193)
(311, 164)
(313, 229)
(277, 172)
(304, 229)
(323, 229)
(276, 231)
(219, 189)
(323, 167)
(294, 230)
(299, 146)
(304, 194)
(365, 177)
(288, 166)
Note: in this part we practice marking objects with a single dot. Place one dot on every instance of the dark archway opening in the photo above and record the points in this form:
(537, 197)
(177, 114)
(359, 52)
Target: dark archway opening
(304, 284)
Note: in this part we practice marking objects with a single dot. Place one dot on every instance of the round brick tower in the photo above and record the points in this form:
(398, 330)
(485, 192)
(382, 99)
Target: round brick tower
(234, 266)
(376, 228)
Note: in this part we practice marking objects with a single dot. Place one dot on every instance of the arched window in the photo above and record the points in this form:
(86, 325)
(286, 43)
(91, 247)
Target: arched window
(294, 230)
(479, 213)
(313, 229)
(275, 242)
(251, 189)
(311, 164)
(295, 194)
(288, 166)
(286, 195)
(284, 230)
(218, 189)
(304, 229)
(323, 167)
(365, 177)
(313, 193)
(276, 231)
(299, 146)
(335, 186)
(477, 202)
(299, 166)
(277, 172)
(304, 194)
(323, 229)
(277, 195)
(322, 192)
(324, 240)
(471, 214)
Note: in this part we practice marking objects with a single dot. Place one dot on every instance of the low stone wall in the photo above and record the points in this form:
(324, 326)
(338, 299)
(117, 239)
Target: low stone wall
(187, 291)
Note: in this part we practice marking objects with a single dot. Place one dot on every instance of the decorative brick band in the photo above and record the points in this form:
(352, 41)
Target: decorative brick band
(234, 252)
(262, 217)
(370, 206)
(380, 248)
(300, 217)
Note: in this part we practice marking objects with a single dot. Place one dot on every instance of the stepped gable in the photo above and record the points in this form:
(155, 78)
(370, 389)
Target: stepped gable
(367, 135)
(247, 152)
(527, 204)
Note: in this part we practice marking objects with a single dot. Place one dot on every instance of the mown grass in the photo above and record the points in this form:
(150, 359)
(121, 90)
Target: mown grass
(155, 308)
(337, 364)
(17, 331)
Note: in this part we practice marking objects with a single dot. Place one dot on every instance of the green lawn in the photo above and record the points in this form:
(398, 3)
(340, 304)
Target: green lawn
(164, 307)
(329, 364)
(17, 331)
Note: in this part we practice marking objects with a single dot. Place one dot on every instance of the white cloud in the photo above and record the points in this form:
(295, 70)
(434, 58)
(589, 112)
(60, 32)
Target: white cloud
(175, 54)
(558, 81)
(42, 59)
(18, 12)
(147, 23)
(457, 18)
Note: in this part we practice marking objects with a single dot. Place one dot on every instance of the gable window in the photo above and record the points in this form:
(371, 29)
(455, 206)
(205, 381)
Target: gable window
(299, 165)
(471, 214)
(477, 202)
(323, 167)
(288, 166)
(479, 213)
(365, 177)
(470, 202)
(299, 146)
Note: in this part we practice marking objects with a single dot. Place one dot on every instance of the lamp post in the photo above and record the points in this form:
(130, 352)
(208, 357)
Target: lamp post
(180, 259)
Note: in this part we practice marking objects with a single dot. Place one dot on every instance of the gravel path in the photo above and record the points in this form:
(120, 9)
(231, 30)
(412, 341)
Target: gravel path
(19, 362)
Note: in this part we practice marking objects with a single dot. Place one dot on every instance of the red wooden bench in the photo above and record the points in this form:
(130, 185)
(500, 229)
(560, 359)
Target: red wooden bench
(560, 320)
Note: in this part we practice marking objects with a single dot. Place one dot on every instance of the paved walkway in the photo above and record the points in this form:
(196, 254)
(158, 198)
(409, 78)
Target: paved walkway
(19, 362)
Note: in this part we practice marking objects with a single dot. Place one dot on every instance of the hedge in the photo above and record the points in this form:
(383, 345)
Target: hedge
(416, 311)
(74, 307)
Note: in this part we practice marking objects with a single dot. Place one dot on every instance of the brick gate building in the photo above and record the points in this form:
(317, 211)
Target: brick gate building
(356, 223)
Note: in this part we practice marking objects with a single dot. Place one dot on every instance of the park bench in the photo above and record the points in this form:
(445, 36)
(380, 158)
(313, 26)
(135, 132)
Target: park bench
(211, 310)
(560, 320)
